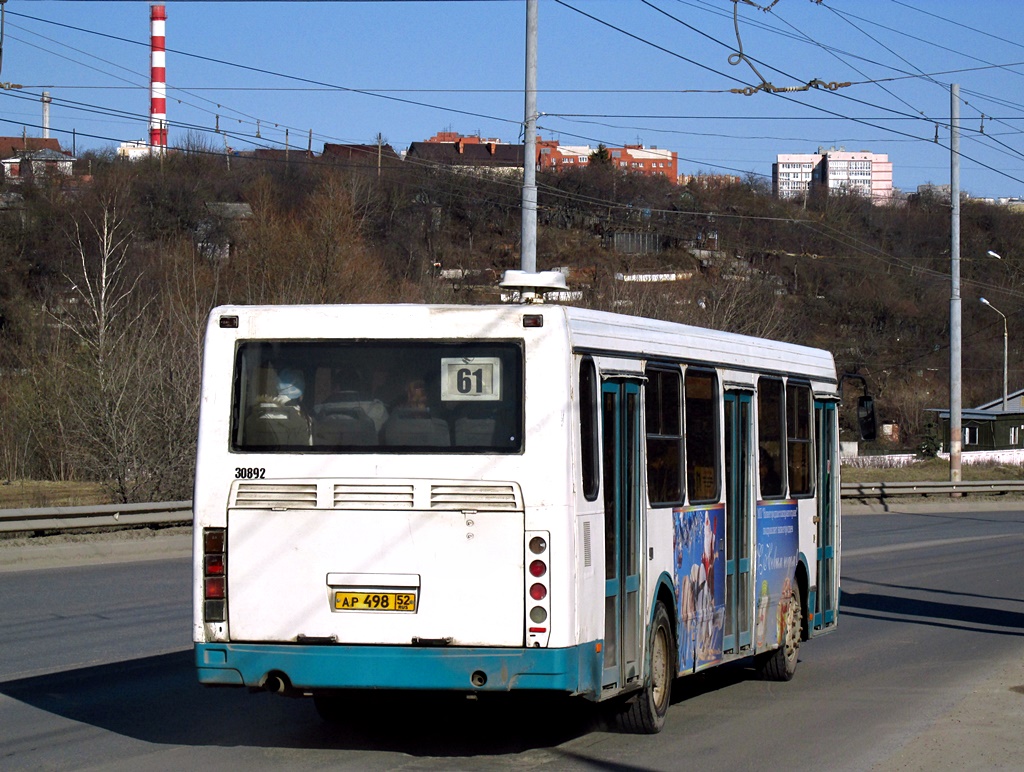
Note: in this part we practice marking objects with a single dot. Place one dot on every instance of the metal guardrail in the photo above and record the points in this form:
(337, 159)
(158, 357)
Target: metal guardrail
(881, 491)
(180, 512)
(99, 516)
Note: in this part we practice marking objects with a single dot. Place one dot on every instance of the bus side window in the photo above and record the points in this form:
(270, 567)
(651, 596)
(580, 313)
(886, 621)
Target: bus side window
(662, 406)
(771, 449)
(798, 439)
(589, 448)
(702, 448)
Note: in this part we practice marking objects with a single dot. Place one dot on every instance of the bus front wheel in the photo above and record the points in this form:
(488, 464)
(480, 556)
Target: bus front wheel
(645, 713)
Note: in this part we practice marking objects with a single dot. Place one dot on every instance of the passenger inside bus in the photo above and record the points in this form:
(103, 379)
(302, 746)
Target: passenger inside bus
(412, 424)
(416, 395)
(278, 418)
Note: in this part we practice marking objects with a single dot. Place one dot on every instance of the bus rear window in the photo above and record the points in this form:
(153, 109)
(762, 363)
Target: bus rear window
(378, 397)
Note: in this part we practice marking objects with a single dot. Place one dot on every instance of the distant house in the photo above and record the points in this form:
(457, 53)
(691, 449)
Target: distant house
(360, 155)
(469, 154)
(134, 150)
(280, 155)
(988, 426)
(26, 157)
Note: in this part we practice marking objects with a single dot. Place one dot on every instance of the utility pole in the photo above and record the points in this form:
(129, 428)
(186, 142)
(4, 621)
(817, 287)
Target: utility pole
(528, 255)
(955, 407)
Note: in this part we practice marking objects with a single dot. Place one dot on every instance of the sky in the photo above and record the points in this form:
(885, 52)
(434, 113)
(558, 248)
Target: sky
(661, 73)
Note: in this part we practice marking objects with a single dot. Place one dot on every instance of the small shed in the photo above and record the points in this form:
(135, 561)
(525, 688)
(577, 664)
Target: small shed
(217, 233)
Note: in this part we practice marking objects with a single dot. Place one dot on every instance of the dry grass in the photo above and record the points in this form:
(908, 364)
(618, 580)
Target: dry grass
(22, 494)
(932, 470)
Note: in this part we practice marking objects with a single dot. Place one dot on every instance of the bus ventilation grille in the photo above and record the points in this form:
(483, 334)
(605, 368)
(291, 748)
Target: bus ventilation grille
(475, 497)
(279, 496)
(374, 496)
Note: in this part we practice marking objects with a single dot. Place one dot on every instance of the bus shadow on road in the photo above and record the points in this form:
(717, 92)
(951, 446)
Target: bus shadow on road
(972, 618)
(158, 700)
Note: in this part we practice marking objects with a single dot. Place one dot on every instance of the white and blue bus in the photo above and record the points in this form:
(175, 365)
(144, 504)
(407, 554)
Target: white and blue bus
(514, 497)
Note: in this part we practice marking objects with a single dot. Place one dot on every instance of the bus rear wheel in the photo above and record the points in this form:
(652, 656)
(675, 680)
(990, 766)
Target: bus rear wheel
(645, 713)
(780, 664)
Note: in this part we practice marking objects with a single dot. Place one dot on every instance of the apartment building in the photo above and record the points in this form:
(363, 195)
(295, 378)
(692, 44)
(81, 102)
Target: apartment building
(862, 172)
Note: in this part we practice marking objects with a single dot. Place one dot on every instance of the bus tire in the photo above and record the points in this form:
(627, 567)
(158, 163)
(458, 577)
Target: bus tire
(780, 664)
(645, 713)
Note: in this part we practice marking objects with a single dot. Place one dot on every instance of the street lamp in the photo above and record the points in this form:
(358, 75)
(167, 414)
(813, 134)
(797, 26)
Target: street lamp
(1006, 338)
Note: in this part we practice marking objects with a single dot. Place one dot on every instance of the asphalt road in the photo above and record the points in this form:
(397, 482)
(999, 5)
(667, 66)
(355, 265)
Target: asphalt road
(926, 672)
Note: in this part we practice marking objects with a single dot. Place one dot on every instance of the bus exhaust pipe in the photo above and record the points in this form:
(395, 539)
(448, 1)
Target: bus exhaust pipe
(276, 684)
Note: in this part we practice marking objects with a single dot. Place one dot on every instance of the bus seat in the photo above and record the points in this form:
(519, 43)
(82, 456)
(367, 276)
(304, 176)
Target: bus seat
(415, 427)
(474, 431)
(343, 425)
(270, 424)
(374, 409)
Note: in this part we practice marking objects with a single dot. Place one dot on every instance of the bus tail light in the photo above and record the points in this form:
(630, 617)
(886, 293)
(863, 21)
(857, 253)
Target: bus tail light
(215, 591)
(537, 587)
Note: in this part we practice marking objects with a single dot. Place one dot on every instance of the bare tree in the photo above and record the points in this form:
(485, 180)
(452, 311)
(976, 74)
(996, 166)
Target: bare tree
(319, 256)
(113, 351)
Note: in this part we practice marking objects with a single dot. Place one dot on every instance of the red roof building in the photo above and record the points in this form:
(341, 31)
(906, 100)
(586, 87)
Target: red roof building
(12, 146)
(361, 154)
(453, 149)
(651, 162)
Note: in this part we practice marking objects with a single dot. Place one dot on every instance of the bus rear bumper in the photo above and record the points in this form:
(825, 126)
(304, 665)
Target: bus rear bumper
(575, 670)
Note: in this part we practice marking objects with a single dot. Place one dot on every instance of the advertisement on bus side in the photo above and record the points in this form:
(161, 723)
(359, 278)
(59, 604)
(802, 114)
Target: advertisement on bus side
(777, 555)
(700, 584)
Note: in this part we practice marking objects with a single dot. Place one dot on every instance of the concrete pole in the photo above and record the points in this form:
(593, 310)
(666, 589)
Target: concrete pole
(955, 356)
(1006, 354)
(46, 114)
(528, 255)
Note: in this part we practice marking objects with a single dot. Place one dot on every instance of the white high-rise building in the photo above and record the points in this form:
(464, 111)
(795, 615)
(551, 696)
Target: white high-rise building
(861, 172)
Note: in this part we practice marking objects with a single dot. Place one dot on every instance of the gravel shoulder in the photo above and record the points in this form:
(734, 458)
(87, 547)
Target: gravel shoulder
(82, 549)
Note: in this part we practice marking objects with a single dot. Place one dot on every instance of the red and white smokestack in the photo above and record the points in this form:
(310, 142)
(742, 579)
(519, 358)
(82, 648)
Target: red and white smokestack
(158, 79)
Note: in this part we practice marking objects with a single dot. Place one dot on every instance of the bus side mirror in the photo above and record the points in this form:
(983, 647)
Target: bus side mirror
(866, 418)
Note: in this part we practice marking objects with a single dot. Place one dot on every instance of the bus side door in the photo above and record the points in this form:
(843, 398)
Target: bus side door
(826, 599)
(623, 501)
(739, 480)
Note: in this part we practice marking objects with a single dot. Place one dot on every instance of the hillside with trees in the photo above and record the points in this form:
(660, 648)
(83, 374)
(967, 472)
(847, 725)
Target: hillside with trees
(108, 280)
